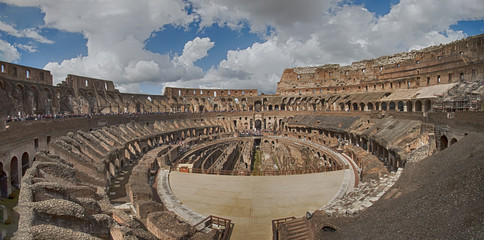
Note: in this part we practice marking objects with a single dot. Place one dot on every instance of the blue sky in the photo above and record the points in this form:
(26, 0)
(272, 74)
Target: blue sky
(146, 45)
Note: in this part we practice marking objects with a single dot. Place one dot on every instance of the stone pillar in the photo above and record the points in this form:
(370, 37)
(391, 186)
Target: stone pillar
(3, 214)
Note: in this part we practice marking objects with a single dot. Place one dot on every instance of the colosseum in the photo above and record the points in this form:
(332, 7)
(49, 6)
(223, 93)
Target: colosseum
(384, 148)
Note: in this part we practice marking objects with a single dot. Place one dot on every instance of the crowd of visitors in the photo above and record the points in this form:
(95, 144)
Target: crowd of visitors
(67, 115)
(250, 133)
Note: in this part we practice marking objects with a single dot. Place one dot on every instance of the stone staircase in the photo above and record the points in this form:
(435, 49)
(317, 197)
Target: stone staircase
(364, 196)
(297, 229)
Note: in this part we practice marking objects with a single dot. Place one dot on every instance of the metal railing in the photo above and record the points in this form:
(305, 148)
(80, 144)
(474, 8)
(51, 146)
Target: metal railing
(275, 226)
(222, 225)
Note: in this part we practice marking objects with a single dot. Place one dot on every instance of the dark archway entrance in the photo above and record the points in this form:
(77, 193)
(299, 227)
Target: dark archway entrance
(3, 182)
(400, 106)
(418, 106)
(257, 106)
(25, 163)
(409, 106)
(384, 106)
(370, 106)
(14, 171)
(391, 106)
(138, 107)
(444, 142)
(258, 124)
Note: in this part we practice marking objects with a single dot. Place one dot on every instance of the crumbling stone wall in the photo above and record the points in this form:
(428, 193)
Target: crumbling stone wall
(434, 65)
(65, 190)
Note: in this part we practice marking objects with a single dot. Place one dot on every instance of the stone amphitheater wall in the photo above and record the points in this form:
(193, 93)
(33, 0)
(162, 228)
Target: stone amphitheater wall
(409, 131)
(96, 168)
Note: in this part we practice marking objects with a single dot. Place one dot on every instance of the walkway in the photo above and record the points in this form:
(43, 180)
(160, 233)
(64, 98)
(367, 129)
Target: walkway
(253, 202)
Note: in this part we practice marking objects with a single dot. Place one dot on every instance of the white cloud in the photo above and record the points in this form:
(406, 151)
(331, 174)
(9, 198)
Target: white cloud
(26, 47)
(8, 53)
(26, 33)
(280, 14)
(143, 70)
(194, 51)
(303, 33)
(116, 31)
(321, 32)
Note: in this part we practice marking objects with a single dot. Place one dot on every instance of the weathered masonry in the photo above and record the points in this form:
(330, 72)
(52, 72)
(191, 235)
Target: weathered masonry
(68, 145)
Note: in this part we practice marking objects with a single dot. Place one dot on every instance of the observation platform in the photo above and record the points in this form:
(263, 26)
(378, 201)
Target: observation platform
(252, 202)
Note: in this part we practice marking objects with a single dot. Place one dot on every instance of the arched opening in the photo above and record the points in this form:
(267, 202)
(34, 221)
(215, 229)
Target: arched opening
(2, 85)
(200, 108)
(341, 106)
(215, 107)
(362, 107)
(138, 107)
(400, 106)
(444, 142)
(257, 106)
(328, 229)
(34, 99)
(258, 124)
(391, 106)
(14, 177)
(3, 182)
(453, 140)
(428, 105)
(384, 106)
(409, 106)
(25, 163)
(370, 106)
(235, 123)
(418, 106)
(270, 107)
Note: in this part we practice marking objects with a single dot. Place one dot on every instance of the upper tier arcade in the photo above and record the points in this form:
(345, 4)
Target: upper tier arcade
(193, 92)
(454, 62)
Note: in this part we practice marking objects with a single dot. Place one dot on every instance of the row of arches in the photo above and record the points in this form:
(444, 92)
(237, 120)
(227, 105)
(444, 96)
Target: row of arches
(32, 98)
(390, 159)
(444, 143)
(10, 176)
(401, 106)
(335, 104)
(138, 148)
(44, 99)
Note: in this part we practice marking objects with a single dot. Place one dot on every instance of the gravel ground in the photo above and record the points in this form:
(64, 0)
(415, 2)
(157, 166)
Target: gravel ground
(440, 197)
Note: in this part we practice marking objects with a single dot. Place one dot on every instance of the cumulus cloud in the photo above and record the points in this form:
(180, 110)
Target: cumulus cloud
(280, 14)
(194, 51)
(116, 31)
(309, 33)
(8, 53)
(294, 33)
